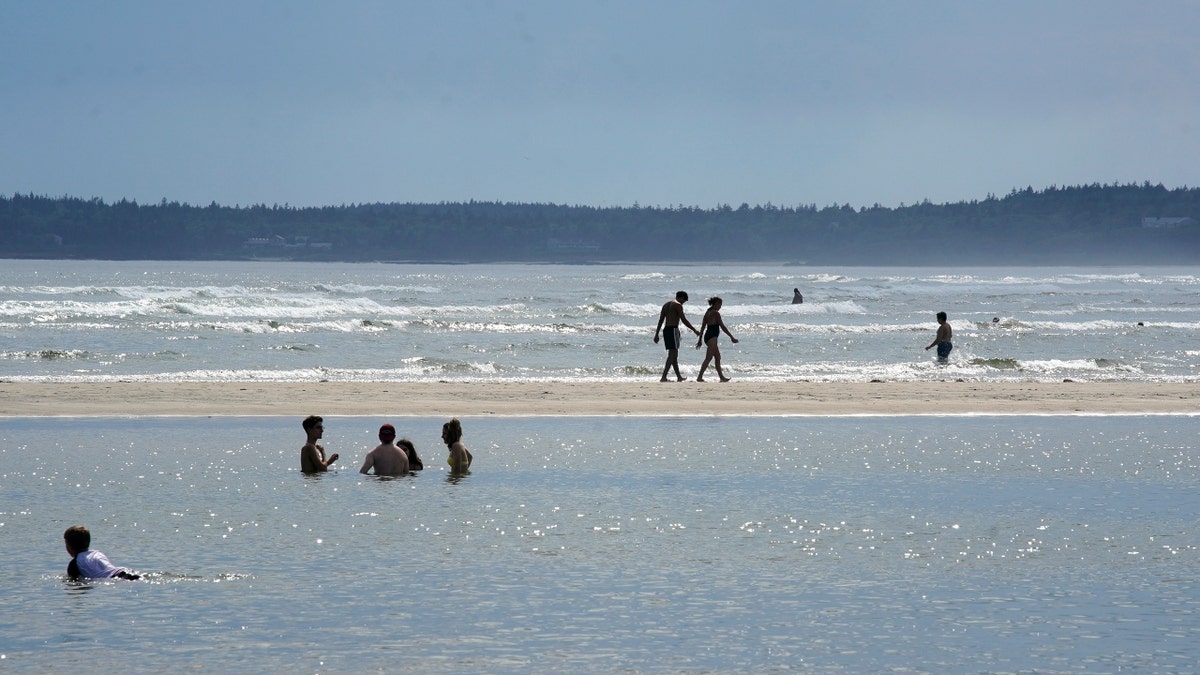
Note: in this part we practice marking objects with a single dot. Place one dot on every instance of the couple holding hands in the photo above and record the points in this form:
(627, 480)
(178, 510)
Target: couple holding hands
(710, 329)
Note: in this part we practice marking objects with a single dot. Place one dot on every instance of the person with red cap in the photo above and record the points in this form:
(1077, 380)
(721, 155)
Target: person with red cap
(387, 458)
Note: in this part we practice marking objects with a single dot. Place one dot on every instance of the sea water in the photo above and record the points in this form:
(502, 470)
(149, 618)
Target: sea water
(276, 321)
(705, 544)
(602, 544)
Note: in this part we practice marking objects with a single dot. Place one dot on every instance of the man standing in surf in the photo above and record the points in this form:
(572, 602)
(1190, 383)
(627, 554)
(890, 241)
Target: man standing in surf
(670, 317)
(942, 339)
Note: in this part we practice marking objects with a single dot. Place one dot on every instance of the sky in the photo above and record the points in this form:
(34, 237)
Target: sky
(600, 103)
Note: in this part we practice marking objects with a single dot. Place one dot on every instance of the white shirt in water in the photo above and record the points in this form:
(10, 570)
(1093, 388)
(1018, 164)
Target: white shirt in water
(95, 565)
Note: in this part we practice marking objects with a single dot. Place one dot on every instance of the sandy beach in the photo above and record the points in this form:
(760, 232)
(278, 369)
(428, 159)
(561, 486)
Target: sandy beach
(602, 398)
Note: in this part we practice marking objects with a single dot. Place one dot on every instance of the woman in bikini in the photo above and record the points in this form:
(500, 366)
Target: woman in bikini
(710, 330)
(460, 458)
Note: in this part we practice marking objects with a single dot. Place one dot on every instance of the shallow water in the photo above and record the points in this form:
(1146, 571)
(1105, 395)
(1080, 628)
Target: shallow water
(857, 544)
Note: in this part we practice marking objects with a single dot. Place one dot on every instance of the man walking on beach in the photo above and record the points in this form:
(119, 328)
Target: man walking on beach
(312, 455)
(671, 316)
(942, 339)
(387, 458)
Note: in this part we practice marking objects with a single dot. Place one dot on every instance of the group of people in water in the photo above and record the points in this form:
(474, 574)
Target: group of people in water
(672, 315)
(392, 457)
(398, 457)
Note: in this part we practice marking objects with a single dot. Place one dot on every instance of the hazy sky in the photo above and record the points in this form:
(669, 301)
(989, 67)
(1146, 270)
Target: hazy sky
(658, 102)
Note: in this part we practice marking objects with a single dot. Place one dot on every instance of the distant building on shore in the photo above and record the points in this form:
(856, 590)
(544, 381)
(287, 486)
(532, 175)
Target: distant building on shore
(281, 242)
(1167, 223)
(555, 244)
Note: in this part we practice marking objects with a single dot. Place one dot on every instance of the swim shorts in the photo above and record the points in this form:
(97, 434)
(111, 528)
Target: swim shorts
(671, 337)
(944, 350)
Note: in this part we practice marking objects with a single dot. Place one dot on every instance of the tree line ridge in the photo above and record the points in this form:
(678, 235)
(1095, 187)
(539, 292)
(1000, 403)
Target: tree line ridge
(1086, 224)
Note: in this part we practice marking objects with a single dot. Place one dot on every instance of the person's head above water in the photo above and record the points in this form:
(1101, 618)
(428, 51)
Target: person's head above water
(78, 539)
(452, 431)
(387, 433)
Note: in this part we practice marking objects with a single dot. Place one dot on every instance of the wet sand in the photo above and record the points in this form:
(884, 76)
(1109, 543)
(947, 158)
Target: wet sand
(652, 398)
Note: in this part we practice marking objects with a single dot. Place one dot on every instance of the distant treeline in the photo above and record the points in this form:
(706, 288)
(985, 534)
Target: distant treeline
(1089, 224)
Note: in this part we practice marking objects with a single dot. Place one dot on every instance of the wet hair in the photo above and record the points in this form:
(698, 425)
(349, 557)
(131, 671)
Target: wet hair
(311, 421)
(941, 316)
(453, 431)
(407, 445)
(78, 537)
(715, 300)
(681, 296)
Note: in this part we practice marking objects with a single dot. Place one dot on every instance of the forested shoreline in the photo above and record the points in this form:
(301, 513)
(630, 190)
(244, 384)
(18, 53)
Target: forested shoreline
(1090, 224)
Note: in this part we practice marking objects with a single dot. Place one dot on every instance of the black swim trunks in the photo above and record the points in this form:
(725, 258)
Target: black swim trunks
(671, 337)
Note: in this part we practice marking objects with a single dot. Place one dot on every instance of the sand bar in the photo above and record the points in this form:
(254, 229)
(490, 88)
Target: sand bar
(445, 399)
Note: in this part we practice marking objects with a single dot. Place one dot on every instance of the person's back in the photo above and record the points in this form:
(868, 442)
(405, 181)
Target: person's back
(386, 458)
(671, 311)
(88, 564)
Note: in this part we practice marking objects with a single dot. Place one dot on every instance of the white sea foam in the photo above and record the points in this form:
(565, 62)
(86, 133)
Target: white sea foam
(842, 307)
(301, 322)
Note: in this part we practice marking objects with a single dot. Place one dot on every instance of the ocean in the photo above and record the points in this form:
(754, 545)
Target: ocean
(277, 321)
(912, 543)
(936, 544)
